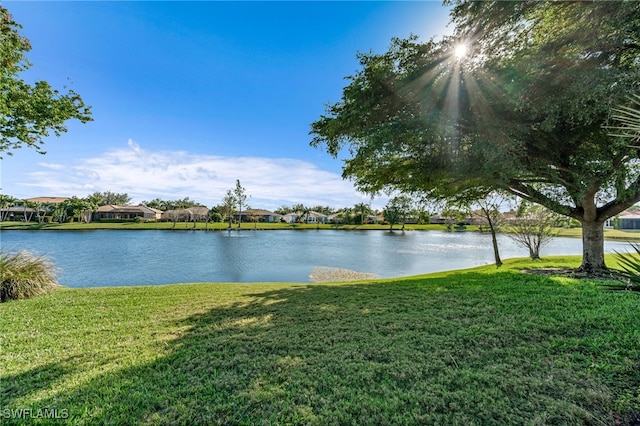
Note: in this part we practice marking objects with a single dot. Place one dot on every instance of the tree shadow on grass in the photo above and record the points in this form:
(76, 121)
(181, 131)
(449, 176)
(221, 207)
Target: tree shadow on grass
(16, 386)
(397, 352)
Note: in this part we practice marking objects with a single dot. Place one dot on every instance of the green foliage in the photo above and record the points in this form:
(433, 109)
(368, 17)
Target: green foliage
(525, 113)
(77, 208)
(109, 198)
(397, 210)
(533, 228)
(240, 194)
(24, 275)
(361, 210)
(6, 201)
(165, 205)
(228, 206)
(628, 118)
(29, 113)
(630, 264)
(465, 348)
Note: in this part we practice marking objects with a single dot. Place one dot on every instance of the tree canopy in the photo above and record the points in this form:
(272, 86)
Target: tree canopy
(29, 113)
(526, 111)
(157, 203)
(109, 197)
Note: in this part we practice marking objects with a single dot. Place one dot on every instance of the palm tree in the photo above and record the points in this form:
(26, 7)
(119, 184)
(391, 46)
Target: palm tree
(59, 211)
(346, 212)
(629, 119)
(6, 201)
(28, 205)
(302, 211)
(363, 209)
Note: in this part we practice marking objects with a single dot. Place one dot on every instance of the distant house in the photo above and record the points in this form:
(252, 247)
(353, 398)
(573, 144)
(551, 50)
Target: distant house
(20, 212)
(625, 220)
(437, 219)
(185, 215)
(337, 218)
(114, 212)
(374, 218)
(17, 213)
(259, 215)
(302, 217)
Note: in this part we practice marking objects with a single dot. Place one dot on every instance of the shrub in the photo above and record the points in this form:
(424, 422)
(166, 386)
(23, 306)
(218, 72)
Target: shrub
(630, 263)
(24, 275)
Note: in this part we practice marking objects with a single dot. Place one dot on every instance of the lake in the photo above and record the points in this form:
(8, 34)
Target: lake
(117, 257)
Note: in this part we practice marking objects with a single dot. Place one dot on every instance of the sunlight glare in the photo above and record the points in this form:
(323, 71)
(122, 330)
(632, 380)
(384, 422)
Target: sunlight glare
(460, 51)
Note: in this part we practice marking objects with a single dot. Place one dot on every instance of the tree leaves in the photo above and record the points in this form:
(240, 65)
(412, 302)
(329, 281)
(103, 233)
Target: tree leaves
(526, 113)
(29, 113)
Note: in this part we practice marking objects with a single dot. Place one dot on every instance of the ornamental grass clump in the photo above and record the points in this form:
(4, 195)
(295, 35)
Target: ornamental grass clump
(24, 275)
(630, 263)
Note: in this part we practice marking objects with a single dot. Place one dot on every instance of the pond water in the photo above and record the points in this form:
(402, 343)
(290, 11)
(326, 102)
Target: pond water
(110, 257)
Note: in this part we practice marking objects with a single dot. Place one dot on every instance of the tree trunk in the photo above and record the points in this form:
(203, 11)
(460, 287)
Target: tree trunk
(494, 240)
(592, 247)
(534, 253)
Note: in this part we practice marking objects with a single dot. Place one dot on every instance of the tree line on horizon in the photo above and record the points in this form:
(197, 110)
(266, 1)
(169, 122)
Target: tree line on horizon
(80, 207)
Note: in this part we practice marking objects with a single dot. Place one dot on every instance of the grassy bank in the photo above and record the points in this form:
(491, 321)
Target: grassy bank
(613, 234)
(216, 226)
(481, 346)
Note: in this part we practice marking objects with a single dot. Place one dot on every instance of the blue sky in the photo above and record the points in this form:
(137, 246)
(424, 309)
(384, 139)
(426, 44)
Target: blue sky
(187, 97)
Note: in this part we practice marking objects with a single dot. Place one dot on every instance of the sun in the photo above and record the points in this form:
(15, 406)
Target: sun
(460, 51)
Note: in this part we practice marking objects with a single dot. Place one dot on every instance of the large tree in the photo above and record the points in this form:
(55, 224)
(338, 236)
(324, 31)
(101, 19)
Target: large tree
(362, 210)
(397, 210)
(29, 113)
(527, 111)
(78, 208)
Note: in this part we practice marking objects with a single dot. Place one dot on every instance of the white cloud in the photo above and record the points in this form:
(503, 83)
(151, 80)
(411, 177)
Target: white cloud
(146, 174)
(53, 166)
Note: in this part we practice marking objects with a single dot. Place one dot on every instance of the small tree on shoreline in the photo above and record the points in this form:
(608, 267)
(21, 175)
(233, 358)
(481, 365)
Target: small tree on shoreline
(397, 210)
(240, 196)
(533, 228)
(228, 206)
(490, 212)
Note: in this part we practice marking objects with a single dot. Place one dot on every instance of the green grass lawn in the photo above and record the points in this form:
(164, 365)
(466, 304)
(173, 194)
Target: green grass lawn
(474, 347)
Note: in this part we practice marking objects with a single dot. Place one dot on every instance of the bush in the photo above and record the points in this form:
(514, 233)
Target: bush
(630, 263)
(24, 275)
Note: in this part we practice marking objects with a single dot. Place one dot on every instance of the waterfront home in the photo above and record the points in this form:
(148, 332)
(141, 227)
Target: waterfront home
(114, 212)
(257, 215)
(305, 217)
(191, 214)
(629, 219)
